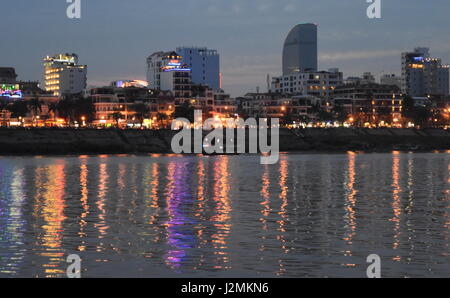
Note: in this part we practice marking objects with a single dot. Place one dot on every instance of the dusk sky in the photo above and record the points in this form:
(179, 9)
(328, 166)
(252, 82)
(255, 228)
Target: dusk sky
(114, 37)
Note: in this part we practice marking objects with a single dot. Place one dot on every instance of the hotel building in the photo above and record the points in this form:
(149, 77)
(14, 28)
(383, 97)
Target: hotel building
(167, 72)
(63, 75)
(422, 75)
(373, 102)
(319, 84)
(205, 65)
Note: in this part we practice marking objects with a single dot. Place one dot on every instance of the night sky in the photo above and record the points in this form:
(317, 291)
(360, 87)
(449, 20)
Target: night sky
(114, 37)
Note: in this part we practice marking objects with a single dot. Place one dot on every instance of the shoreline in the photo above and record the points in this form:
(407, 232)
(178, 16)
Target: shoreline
(68, 141)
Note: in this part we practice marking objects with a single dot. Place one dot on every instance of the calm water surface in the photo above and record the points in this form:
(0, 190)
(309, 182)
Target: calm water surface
(225, 216)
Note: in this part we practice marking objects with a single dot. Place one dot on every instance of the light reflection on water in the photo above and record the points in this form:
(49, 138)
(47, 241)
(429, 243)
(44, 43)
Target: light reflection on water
(225, 216)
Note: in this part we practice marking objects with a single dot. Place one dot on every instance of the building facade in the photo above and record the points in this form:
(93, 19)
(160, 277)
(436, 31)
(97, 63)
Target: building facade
(63, 75)
(204, 64)
(423, 75)
(167, 72)
(370, 103)
(300, 50)
(7, 75)
(319, 84)
(391, 79)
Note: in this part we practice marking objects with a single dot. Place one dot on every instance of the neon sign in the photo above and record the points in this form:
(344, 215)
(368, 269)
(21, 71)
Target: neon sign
(10, 91)
(177, 69)
(174, 63)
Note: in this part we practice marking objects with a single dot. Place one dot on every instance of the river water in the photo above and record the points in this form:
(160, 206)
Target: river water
(310, 215)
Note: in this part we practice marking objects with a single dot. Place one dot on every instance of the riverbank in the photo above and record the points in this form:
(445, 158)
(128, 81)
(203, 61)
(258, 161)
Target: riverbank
(114, 141)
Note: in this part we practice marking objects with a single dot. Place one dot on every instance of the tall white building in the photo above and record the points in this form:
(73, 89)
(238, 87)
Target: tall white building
(167, 72)
(318, 83)
(204, 64)
(63, 75)
(423, 75)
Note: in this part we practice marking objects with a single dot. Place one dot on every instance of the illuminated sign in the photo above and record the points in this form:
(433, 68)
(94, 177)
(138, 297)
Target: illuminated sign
(174, 63)
(177, 69)
(418, 59)
(10, 91)
(131, 83)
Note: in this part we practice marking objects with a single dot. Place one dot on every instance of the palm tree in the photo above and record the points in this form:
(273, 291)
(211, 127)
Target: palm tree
(116, 116)
(161, 117)
(65, 109)
(35, 106)
(184, 111)
(53, 108)
(141, 111)
(18, 109)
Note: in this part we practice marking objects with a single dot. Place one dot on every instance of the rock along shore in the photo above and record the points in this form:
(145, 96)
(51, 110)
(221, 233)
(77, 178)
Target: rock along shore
(19, 141)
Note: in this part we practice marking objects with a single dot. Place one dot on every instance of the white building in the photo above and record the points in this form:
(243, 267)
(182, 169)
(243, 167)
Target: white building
(422, 75)
(204, 64)
(391, 79)
(319, 84)
(167, 72)
(63, 75)
(367, 78)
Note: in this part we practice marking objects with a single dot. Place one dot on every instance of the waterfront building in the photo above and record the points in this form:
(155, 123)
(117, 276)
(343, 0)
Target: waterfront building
(202, 99)
(318, 83)
(131, 106)
(276, 105)
(423, 75)
(37, 102)
(167, 72)
(9, 88)
(63, 75)
(224, 105)
(204, 64)
(370, 103)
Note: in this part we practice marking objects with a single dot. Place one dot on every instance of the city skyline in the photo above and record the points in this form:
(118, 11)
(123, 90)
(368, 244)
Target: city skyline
(119, 52)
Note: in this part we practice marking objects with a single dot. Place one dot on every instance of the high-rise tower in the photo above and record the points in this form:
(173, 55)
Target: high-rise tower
(300, 49)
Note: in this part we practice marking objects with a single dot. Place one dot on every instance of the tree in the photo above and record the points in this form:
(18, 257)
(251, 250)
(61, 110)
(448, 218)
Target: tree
(53, 108)
(417, 114)
(65, 109)
(325, 116)
(287, 119)
(142, 110)
(74, 108)
(83, 108)
(339, 113)
(116, 116)
(185, 111)
(161, 117)
(18, 109)
(35, 106)
(408, 108)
